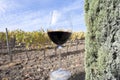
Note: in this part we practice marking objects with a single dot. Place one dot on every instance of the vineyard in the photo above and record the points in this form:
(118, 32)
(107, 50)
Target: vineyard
(32, 40)
(33, 56)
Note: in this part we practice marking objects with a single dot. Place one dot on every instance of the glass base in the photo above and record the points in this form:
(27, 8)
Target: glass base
(60, 74)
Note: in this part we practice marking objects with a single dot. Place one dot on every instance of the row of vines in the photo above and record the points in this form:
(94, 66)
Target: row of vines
(35, 39)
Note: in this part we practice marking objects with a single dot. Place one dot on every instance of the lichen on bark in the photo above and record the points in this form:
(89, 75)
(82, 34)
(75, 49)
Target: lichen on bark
(102, 57)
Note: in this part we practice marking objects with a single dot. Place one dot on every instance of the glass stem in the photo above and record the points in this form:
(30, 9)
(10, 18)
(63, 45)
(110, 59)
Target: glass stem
(60, 63)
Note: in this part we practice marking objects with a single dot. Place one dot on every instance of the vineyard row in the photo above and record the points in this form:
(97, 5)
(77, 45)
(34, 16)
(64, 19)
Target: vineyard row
(33, 39)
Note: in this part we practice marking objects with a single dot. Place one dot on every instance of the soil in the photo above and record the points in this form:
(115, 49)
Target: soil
(34, 65)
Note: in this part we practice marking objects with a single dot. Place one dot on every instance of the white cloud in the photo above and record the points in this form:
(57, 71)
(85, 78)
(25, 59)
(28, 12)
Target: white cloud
(27, 21)
(34, 20)
(3, 7)
(78, 4)
(8, 6)
(78, 20)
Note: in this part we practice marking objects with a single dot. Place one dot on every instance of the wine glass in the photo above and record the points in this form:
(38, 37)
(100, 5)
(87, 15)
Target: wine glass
(60, 29)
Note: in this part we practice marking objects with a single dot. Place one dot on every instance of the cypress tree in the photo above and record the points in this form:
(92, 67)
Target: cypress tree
(102, 56)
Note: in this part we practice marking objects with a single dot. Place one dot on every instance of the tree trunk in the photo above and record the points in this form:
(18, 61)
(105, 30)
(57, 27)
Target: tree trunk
(102, 57)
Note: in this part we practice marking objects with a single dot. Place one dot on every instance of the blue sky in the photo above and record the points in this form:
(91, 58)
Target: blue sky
(31, 15)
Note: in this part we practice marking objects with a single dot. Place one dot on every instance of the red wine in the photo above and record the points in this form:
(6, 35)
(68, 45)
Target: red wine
(59, 37)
